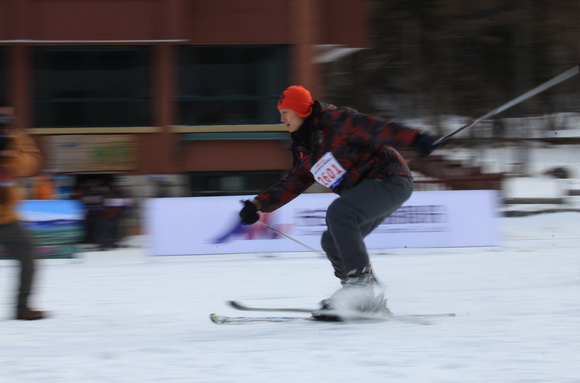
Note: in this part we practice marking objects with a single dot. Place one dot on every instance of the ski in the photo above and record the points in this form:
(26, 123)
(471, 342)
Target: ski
(240, 306)
(223, 319)
(226, 320)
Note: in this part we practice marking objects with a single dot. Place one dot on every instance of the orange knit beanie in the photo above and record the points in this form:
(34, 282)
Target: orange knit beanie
(298, 99)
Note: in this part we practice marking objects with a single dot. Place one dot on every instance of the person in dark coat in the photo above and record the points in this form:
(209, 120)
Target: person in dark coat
(115, 206)
(353, 155)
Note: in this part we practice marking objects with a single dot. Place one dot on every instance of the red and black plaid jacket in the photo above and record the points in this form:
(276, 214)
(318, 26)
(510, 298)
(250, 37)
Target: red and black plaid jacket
(362, 144)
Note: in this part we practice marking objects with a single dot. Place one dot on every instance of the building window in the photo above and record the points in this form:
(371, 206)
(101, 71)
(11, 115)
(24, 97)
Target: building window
(92, 86)
(231, 85)
(3, 77)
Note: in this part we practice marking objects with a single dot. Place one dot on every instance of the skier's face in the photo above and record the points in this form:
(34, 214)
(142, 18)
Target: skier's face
(292, 121)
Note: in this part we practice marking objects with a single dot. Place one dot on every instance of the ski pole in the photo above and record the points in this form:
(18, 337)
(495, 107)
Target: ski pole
(531, 93)
(305, 245)
(289, 237)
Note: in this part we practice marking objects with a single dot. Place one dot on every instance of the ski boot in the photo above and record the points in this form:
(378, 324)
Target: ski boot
(355, 299)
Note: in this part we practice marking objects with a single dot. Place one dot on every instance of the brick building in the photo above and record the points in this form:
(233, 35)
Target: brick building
(186, 89)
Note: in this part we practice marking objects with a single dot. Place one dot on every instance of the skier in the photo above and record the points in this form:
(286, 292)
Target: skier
(352, 154)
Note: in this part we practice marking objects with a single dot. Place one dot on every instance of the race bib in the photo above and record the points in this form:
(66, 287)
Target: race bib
(328, 172)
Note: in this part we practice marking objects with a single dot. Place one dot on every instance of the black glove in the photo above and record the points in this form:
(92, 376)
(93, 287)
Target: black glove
(249, 213)
(424, 144)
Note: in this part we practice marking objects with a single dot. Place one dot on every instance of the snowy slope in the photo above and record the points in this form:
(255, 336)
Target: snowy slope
(122, 317)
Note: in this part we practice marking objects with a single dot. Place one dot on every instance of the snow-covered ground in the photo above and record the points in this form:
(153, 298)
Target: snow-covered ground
(120, 316)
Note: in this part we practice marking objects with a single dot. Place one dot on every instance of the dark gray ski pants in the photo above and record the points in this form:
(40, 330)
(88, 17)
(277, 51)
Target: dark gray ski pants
(16, 240)
(354, 215)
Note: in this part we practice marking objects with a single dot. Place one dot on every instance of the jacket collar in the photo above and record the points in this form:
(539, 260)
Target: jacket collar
(303, 136)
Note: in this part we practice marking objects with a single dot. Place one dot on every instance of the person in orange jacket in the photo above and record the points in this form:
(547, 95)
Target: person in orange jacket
(19, 157)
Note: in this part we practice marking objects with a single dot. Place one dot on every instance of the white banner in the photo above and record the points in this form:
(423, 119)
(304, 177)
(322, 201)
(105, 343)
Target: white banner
(210, 225)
